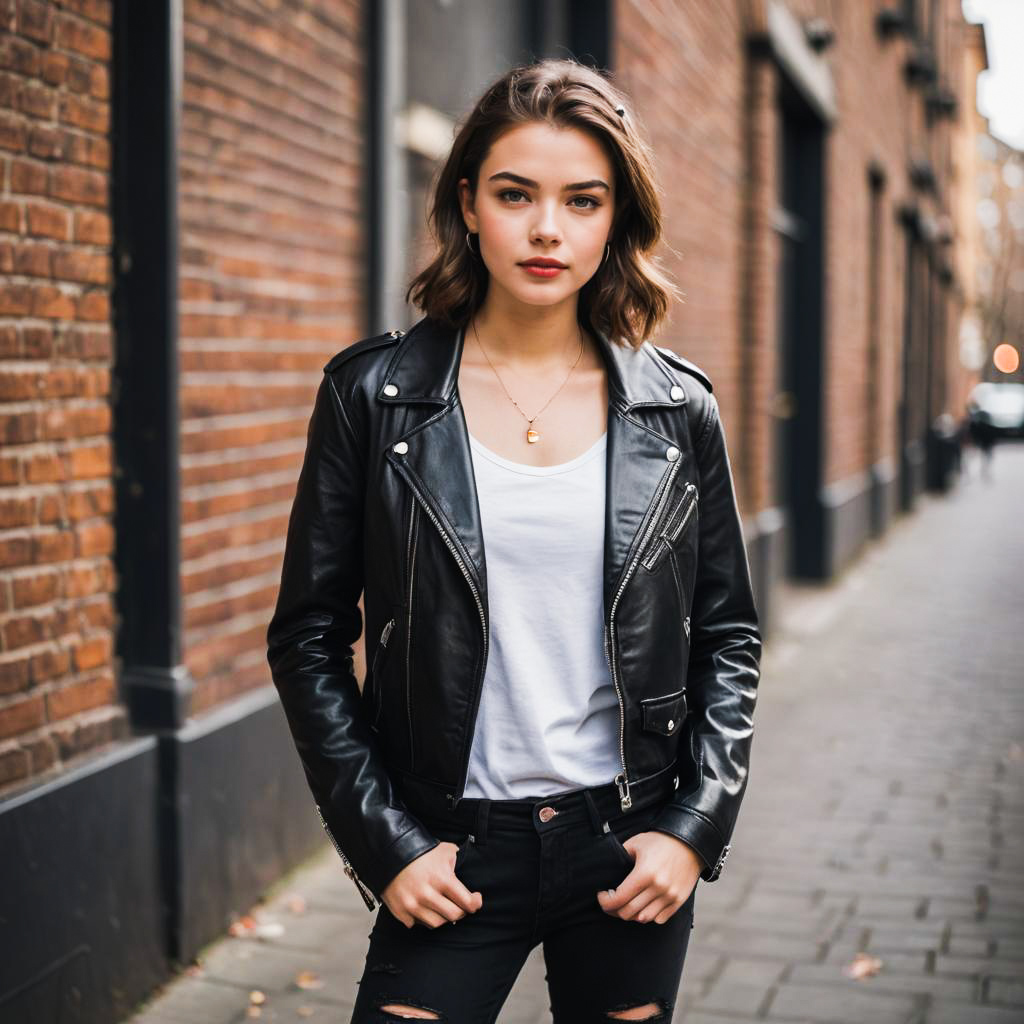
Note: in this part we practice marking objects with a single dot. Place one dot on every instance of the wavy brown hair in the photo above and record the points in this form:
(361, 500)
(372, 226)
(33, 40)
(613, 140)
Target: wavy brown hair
(628, 296)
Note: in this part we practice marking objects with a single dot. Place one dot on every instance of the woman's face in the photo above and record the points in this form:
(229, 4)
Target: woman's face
(543, 192)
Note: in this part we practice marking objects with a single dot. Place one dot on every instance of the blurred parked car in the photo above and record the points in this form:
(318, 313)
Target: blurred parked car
(1000, 406)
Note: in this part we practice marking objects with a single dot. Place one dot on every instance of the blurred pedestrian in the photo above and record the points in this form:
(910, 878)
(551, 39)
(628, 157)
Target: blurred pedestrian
(983, 437)
(552, 741)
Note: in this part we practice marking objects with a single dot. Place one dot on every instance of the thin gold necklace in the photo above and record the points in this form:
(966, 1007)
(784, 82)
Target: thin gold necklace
(532, 436)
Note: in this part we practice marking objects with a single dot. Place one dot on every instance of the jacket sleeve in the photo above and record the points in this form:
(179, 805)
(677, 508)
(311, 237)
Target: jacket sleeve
(310, 650)
(724, 664)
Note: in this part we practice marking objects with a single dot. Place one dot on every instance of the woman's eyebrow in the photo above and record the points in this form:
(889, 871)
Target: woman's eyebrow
(530, 183)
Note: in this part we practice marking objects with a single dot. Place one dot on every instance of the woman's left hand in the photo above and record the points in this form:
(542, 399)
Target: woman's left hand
(665, 872)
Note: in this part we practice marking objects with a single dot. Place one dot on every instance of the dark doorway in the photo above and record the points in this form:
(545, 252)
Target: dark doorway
(797, 404)
(912, 412)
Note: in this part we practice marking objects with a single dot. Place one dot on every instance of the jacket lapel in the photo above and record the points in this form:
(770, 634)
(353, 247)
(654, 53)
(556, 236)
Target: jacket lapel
(438, 463)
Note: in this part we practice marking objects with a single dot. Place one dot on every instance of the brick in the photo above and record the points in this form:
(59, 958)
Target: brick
(34, 590)
(79, 185)
(10, 216)
(47, 142)
(88, 266)
(54, 67)
(97, 539)
(49, 663)
(14, 764)
(37, 100)
(85, 113)
(14, 673)
(35, 20)
(53, 303)
(19, 55)
(16, 511)
(42, 752)
(13, 135)
(93, 306)
(48, 221)
(29, 177)
(92, 227)
(32, 260)
(99, 11)
(81, 36)
(76, 697)
(20, 715)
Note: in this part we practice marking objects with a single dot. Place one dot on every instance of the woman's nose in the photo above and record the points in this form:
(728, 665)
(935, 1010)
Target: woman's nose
(545, 225)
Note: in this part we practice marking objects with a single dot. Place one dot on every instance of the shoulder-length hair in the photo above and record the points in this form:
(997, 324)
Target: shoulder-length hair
(628, 296)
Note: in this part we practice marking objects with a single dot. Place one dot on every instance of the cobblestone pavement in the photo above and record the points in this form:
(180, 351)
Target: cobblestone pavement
(884, 813)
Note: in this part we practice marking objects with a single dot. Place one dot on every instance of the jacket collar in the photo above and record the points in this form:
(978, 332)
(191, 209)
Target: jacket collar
(436, 460)
(426, 369)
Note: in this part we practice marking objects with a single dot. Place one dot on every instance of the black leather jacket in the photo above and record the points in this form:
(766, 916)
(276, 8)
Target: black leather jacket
(386, 507)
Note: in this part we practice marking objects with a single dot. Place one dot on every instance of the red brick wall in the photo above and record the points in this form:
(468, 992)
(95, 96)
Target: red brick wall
(685, 68)
(57, 680)
(273, 256)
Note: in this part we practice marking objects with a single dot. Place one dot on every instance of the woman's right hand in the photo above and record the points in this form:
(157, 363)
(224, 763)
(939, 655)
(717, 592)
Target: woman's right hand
(428, 890)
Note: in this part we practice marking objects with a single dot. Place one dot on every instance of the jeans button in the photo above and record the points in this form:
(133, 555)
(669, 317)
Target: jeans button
(546, 813)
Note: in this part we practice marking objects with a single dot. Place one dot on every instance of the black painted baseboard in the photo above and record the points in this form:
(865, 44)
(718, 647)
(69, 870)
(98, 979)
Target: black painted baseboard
(121, 869)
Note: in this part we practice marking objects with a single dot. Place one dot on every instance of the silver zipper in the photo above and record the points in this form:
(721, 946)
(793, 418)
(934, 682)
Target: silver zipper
(483, 620)
(681, 525)
(410, 555)
(381, 646)
(673, 530)
(622, 779)
(368, 897)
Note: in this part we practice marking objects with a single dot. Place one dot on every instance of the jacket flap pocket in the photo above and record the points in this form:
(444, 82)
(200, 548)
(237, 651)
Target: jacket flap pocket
(664, 714)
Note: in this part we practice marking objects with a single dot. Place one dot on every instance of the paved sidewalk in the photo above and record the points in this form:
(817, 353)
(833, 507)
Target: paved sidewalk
(884, 816)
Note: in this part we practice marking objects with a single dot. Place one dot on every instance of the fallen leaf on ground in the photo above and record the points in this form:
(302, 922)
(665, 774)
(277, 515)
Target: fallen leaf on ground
(308, 979)
(305, 1011)
(256, 997)
(269, 930)
(296, 904)
(863, 965)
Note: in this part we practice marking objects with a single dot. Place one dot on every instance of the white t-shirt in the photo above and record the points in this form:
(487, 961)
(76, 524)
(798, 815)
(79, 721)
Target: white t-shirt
(548, 719)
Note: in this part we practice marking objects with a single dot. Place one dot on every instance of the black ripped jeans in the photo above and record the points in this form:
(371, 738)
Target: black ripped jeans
(539, 875)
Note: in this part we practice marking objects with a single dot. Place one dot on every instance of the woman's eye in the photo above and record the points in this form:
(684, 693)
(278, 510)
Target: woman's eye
(589, 202)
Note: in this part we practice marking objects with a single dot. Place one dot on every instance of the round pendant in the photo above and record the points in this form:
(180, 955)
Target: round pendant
(532, 436)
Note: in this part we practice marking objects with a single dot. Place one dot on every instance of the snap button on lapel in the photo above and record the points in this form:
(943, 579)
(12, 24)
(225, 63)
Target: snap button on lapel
(391, 390)
(672, 453)
(400, 447)
(676, 393)
(671, 725)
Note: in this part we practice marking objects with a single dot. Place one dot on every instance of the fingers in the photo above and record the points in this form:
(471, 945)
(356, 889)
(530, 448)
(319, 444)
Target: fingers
(642, 897)
(470, 902)
(438, 896)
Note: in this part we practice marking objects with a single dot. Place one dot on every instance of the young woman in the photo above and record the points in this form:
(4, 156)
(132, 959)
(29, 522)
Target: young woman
(536, 504)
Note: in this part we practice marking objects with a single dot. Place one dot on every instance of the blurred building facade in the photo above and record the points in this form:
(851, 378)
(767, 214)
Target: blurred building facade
(203, 201)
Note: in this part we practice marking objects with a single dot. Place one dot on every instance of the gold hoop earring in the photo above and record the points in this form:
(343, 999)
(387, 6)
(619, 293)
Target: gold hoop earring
(475, 252)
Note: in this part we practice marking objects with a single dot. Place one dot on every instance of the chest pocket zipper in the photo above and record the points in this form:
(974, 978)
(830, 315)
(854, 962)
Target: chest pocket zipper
(378, 695)
(668, 534)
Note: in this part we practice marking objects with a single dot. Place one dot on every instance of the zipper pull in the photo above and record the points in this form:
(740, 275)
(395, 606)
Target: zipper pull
(388, 626)
(686, 626)
(366, 893)
(625, 800)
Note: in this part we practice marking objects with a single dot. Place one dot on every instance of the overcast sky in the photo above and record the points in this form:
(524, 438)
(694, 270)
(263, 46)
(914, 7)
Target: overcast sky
(1001, 88)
